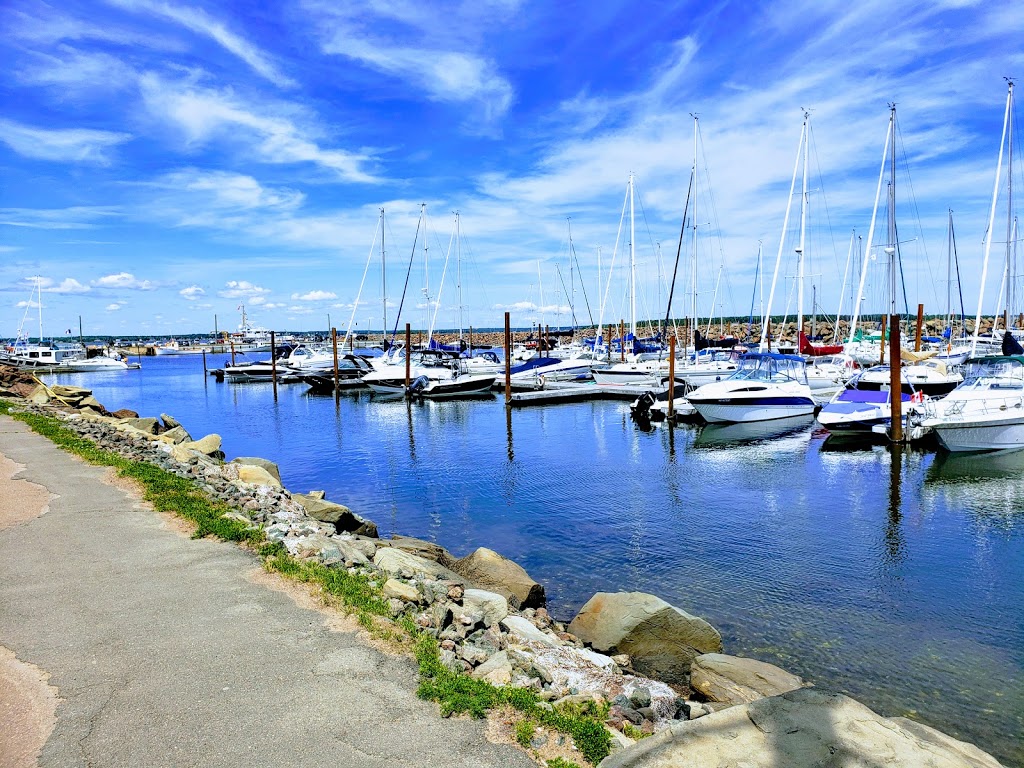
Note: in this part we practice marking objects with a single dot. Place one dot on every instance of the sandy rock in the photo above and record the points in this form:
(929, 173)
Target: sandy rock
(207, 445)
(427, 549)
(661, 640)
(490, 570)
(401, 591)
(169, 421)
(91, 402)
(268, 466)
(257, 476)
(148, 425)
(804, 728)
(395, 561)
(497, 670)
(490, 605)
(525, 630)
(733, 680)
(176, 435)
(40, 395)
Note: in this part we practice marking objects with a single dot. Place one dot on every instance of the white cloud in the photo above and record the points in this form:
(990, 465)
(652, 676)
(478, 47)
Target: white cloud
(199, 22)
(272, 305)
(32, 303)
(123, 280)
(9, 248)
(314, 296)
(113, 307)
(241, 289)
(269, 130)
(300, 310)
(74, 145)
(75, 217)
(191, 293)
(225, 190)
(68, 285)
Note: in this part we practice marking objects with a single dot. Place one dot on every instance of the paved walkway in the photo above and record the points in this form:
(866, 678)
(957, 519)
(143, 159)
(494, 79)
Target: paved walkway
(166, 653)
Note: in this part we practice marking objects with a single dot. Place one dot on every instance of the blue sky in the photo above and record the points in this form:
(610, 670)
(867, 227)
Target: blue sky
(164, 162)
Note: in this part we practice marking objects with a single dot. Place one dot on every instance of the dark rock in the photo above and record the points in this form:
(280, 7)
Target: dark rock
(647, 712)
(491, 571)
(426, 549)
(343, 518)
(639, 698)
(125, 413)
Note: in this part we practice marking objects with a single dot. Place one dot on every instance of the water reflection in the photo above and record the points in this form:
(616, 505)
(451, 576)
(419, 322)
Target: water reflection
(894, 545)
(778, 435)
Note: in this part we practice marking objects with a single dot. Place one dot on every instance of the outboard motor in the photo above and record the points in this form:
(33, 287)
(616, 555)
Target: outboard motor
(417, 386)
(642, 406)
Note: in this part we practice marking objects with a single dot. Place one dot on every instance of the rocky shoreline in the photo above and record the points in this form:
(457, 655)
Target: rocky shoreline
(653, 668)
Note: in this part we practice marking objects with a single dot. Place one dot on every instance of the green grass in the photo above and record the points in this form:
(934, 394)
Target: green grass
(561, 762)
(455, 692)
(525, 730)
(630, 730)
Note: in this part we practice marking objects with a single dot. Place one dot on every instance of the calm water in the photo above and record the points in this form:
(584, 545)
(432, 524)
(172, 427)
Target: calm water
(898, 579)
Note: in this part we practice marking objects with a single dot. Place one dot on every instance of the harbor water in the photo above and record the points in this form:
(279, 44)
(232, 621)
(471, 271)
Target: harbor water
(893, 575)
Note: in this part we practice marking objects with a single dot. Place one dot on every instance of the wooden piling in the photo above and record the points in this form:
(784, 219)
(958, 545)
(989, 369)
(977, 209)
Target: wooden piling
(273, 363)
(671, 376)
(408, 355)
(232, 351)
(508, 361)
(205, 372)
(895, 382)
(334, 345)
(881, 341)
(920, 324)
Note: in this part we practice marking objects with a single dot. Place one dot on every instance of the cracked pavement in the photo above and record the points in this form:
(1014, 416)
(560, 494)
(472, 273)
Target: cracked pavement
(166, 653)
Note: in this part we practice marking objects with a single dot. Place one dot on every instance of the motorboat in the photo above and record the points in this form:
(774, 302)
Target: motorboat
(431, 365)
(860, 406)
(259, 370)
(351, 370)
(458, 383)
(984, 413)
(927, 377)
(766, 386)
(59, 357)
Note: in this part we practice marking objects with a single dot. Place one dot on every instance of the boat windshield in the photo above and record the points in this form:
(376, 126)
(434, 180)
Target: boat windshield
(758, 368)
(998, 373)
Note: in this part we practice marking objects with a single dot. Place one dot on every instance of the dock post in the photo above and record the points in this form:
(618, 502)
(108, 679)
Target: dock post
(881, 342)
(671, 376)
(273, 363)
(508, 361)
(334, 345)
(232, 351)
(895, 382)
(547, 338)
(408, 354)
(205, 372)
(920, 323)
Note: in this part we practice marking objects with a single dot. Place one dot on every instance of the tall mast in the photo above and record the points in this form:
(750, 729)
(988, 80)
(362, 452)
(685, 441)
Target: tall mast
(762, 345)
(991, 219)
(383, 273)
(891, 245)
(693, 260)
(458, 266)
(632, 262)
(890, 133)
(803, 232)
(1010, 293)
(949, 275)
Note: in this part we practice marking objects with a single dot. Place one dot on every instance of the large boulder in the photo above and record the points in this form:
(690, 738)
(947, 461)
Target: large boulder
(208, 445)
(250, 473)
(490, 605)
(406, 565)
(490, 570)
(254, 461)
(341, 517)
(805, 728)
(733, 680)
(662, 640)
(427, 549)
(176, 435)
(148, 424)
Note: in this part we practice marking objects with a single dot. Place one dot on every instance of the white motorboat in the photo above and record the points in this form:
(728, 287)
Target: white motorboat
(986, 412)
(860, 406)
(927, 376)
(766, 386)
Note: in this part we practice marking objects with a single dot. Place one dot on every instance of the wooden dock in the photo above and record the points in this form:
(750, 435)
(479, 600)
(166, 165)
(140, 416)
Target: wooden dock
(571, 392)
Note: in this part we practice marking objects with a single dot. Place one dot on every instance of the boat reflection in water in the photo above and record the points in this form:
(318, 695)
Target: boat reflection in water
(774, 433)
(987, 486)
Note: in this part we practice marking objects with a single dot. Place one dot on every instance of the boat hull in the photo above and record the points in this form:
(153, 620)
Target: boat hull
(982, 435)
(741, 410)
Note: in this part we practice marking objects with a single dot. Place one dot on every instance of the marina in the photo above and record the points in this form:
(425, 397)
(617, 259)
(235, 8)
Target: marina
(892, 573)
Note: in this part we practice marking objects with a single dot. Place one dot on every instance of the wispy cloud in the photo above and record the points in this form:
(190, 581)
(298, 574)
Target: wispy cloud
(192, 293)
(76, 145)
(205, 115)
(201, 23)
(74, 217)
(401, 42)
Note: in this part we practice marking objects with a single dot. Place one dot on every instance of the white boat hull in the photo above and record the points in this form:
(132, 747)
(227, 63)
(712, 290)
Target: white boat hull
(982, 435)
(739, 412)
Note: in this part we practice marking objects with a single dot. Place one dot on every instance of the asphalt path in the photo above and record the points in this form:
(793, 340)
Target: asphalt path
(166, 651)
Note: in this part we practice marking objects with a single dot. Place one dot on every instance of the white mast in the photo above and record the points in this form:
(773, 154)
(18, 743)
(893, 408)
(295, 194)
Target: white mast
(890, 132)
(991, 220)
(762, 345)
(383, 275)
(366, 269)
(39, 305)
(458, 265)
(632, 262)
(805, 134)
(693, 261)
